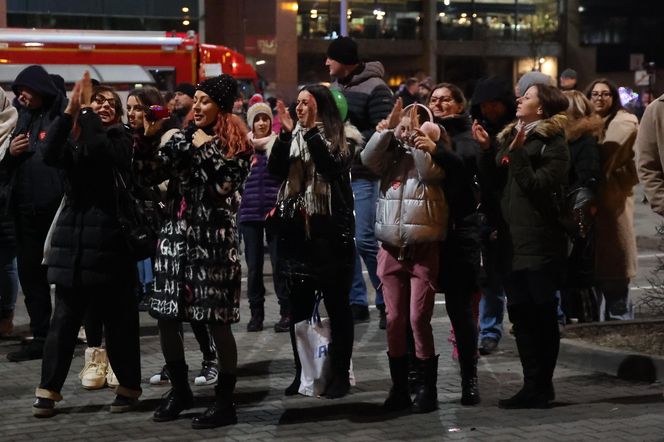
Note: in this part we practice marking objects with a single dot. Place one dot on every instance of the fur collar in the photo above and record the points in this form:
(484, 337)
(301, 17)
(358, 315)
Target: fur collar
(592, 125)
(546, 128)
(353, 134)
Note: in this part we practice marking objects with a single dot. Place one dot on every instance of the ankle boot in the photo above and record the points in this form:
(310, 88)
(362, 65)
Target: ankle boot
(255, 324)
(470, 393)
(222, 412)
(426, 396)
(399, 397)
(179, 398)
(6, 324)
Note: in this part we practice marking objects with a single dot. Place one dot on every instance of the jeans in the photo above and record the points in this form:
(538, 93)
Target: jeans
(254, 253)
(613, 299)
(116, 308)
(31, 230)
(492, 309)
(365, 193)
(8, 281)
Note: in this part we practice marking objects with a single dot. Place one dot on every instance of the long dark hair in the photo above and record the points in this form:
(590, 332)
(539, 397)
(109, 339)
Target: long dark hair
(616, 104)
(328, 114)
(148, 96)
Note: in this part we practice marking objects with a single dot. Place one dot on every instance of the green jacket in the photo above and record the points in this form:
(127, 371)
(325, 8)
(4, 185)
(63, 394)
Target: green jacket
(532, 177)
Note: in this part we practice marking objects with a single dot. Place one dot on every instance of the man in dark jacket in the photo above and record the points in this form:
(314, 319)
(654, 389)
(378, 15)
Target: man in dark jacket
(370, 100)
(35, 191)
(494, 106)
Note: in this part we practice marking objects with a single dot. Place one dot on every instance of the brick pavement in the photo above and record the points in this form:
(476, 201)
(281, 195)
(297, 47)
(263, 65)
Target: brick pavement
(588, 407)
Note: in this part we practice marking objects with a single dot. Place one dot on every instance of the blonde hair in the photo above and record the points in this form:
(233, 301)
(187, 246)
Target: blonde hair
(579, 105)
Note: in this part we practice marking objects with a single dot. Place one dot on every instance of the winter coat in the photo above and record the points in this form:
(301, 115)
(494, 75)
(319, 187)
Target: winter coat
(411, 205)
(335, 168)
(650, 151)
(370, 101)
(261, 188)
(87, 245)
(582, 137)
(536, 172)
(33, 185)
(197, 270)
(8, 119)
(615, 241)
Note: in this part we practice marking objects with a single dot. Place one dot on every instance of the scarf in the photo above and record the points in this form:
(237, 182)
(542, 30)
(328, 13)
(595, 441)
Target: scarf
(264, 144)
(303, 178)
(528, 127)
(8, 119)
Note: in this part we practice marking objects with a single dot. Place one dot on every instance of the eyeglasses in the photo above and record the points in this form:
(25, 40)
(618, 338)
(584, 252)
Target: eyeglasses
(100, 100)
(598, 95)
(435, 100)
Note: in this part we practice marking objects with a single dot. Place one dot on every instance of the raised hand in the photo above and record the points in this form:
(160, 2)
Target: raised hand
(519, 139)
(394, 117)
(480, 135)
(284, 117)
(86, 89)
(74, 104)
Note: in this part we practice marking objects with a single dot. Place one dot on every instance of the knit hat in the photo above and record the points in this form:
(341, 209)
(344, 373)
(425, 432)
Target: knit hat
(256, 98)
(222, 89)
(256, 109)
(568, 73)
(533, 77)
(343, 50)
(186, 88)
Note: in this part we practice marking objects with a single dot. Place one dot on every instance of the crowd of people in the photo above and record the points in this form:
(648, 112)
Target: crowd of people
(520, 198)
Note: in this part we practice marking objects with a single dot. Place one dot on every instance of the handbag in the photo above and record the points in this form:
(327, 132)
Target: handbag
(288, 217)
(312, 337)
(139, 235)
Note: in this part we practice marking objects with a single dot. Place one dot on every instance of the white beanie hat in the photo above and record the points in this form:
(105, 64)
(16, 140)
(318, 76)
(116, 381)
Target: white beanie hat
(258, 108)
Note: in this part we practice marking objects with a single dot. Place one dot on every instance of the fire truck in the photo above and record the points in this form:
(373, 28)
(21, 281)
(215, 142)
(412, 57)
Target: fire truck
(123, 59)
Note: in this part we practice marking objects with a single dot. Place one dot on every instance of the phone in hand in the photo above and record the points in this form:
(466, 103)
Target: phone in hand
(156, 113)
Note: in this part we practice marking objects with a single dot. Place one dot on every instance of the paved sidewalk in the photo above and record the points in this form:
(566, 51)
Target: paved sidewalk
(588, 407)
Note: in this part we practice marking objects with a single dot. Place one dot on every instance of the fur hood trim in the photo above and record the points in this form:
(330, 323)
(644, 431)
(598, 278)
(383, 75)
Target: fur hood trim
(592, 125)
(353, 134)
(546, 128)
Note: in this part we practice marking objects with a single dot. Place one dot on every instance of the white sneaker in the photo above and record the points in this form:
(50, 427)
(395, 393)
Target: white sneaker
(111, 379)
(93, 374)
(209, 374)
(160, 378)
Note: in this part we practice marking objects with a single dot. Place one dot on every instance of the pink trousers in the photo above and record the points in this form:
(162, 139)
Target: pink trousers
(409, 288)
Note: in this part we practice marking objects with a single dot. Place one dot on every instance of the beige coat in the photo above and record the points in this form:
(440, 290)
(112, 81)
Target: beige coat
(650, 151)
(615, 246)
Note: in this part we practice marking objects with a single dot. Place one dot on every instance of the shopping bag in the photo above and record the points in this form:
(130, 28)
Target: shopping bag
(312, 337)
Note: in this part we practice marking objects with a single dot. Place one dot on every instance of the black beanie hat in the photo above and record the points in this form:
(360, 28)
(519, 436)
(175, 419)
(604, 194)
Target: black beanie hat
(222, 89)
(343, 50)
(186, 88)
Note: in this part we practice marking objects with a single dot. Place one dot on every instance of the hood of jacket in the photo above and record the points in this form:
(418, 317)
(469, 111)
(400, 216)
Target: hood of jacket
(364, 72)
(546, 128)
(592, 125)
(37, 79)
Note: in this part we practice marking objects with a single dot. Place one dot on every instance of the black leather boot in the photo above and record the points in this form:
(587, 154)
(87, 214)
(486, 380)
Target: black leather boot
(293, 388)
(470, 392)
(426, 396)
(527, 342)
(399, 397)
(222, 412)
(179, 398)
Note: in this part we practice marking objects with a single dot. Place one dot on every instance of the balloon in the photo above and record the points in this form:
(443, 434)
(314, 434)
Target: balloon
(341, 102)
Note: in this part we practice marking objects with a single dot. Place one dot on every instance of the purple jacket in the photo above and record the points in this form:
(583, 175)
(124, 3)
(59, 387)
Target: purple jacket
(260, 190)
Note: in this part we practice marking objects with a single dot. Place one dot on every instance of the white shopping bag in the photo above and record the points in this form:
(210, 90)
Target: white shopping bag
(312, 337)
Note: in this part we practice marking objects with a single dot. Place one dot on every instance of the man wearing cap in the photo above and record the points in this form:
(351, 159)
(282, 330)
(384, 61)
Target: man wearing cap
(568, 80)
(35, 191)
(184, 101)
(370, 101)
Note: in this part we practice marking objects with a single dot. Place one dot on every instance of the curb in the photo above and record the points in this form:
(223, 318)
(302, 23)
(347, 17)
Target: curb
(623, 364)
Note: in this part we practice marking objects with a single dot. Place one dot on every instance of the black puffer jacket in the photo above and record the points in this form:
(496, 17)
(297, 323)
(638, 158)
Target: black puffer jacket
(33, 185)
(87, 246)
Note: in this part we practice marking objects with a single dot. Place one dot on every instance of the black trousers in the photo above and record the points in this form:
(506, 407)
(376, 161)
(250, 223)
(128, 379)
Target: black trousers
(327, 265)
(31, 230)
(117, 309)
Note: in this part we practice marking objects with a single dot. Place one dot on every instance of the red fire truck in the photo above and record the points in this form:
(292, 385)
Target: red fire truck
(124, 59)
